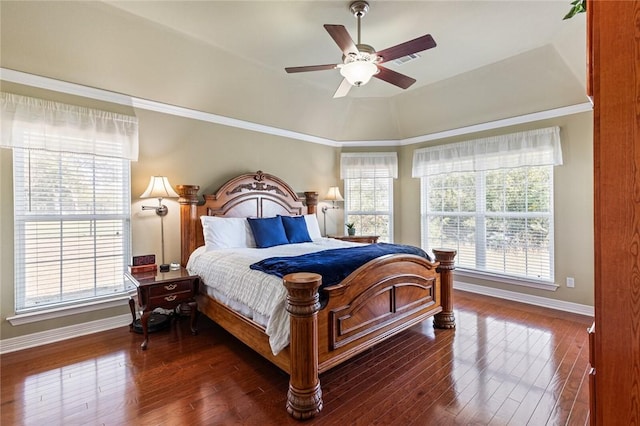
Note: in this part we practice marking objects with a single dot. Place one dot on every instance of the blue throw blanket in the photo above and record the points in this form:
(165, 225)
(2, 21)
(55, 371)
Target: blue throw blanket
(334, 264)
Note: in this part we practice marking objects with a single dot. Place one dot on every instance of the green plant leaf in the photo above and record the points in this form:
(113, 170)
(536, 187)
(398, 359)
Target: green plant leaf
(577, 6)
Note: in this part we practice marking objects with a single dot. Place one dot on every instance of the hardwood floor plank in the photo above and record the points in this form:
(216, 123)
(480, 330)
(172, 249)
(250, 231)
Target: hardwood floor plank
(579, 410)
(506, 363)
(555, 408)
(403, 391)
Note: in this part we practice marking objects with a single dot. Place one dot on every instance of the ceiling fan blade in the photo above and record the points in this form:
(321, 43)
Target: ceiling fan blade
(311, 68)
(343, 89)
(407, 48)
(394, 78)
(341, 36)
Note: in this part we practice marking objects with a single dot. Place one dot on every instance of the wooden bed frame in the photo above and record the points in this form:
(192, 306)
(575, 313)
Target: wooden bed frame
(378, 300)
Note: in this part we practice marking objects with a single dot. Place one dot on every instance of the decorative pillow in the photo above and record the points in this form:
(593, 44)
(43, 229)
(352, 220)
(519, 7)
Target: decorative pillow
(226, 232)
(296, 229)
(268, 231)
(312, 226)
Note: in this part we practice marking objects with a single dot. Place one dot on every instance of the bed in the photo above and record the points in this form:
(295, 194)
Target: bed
(383, 297)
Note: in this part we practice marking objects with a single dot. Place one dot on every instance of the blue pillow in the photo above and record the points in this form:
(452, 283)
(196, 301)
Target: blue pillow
(268, 232)
(296, 229)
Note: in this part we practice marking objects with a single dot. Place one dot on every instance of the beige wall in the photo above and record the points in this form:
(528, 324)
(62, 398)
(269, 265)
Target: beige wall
(188, 152)
(195, 152)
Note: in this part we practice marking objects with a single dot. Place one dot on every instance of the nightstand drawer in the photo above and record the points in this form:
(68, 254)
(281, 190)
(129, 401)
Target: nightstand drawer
(173, 287)
(164, 299)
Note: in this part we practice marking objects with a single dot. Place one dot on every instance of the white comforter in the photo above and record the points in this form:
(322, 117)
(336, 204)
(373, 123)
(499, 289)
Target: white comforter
(255, 294)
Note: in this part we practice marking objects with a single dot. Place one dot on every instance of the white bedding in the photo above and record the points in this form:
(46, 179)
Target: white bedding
(254, 294)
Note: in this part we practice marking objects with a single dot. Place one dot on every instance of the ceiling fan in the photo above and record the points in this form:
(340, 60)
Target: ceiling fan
(361, 61)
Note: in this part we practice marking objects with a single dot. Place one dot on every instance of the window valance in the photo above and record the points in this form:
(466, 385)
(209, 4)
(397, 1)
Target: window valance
(33, 123)
(531, 148)
(356, 165)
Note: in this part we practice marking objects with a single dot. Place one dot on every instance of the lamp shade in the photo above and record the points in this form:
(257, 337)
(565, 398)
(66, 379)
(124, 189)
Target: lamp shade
(334, 194)
(358, 73)
(159, 187)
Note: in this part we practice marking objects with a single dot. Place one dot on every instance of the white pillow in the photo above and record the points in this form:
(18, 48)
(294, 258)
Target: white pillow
(226, 232)
(312, 226)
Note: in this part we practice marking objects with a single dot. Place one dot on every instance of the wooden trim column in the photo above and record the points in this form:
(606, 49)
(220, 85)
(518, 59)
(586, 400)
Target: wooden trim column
(304, 398)
(445, 319)
(615, 50)
(188, 218)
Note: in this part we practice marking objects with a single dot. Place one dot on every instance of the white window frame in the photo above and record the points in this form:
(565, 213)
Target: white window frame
(539, 147)
(379, 166)
(27, 261)
(33, 126)
(479, 270)
(348, 213)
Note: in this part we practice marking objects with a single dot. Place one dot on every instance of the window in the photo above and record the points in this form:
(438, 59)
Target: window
(499, 221)
(368, 186)
(499, 214)
(71, 201)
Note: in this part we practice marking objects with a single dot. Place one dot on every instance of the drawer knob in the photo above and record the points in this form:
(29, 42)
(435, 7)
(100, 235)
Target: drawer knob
(170, 298)
(171, 287)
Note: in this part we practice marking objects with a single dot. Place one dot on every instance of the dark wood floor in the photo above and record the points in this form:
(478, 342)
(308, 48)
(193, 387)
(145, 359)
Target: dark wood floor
(506, 363)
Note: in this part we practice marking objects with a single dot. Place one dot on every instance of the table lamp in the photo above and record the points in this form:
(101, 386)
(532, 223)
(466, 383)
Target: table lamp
(159, 187)
(333, 195)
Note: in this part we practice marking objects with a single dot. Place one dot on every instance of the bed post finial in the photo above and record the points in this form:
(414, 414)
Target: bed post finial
(188, 220)
(304, 398)
(311, 198)
(445, 319)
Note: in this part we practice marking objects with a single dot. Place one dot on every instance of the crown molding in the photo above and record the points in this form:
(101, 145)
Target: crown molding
(506, 122)
(150, 105)
(66, 87)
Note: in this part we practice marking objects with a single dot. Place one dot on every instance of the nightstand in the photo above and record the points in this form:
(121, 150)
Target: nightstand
(165, 290)
(371, 239)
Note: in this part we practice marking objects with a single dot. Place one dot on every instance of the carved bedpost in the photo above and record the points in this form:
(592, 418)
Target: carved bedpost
(445, 319)
(188, 218)
(312, 202)
(304, 398)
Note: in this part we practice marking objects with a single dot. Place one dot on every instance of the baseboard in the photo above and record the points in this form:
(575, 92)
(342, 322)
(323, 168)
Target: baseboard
(545, 302)
(63, 333)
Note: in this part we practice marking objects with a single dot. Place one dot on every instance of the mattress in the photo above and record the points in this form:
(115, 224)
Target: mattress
(256, 295)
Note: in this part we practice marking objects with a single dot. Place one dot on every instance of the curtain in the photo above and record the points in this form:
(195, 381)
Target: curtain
(361, 164)
(33, 123)
(531, 148)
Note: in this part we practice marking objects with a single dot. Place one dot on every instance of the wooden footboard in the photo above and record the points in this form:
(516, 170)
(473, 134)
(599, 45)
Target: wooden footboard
(383, 297)
(404, 290)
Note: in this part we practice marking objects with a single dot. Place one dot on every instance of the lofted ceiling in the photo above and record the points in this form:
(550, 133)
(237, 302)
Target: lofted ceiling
(274, 35)
(493, 60)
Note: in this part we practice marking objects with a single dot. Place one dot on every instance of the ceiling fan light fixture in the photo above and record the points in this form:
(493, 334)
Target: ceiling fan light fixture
(361, 61)
(358, 73)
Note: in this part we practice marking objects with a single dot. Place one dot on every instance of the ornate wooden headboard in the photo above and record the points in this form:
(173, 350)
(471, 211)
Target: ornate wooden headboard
(249, 195)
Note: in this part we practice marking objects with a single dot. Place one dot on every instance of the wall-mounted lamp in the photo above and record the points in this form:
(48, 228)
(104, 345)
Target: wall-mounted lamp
(159, 187)
(333, 195)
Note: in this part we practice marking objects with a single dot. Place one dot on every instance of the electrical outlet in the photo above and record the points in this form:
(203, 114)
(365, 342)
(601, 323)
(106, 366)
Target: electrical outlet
(570, 282)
